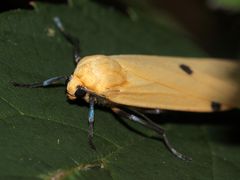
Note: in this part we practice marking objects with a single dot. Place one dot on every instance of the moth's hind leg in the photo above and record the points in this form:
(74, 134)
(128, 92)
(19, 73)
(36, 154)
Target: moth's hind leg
(150, 111)
(58, 80)
(138, 117)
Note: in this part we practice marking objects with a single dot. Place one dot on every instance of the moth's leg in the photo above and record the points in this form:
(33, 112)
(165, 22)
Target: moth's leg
(52, 81)
(91, 122)
(150, 111)
(71, 39)
(145, 121)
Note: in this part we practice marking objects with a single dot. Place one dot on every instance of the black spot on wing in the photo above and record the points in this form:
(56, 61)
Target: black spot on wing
(216, 106)
(186, 69)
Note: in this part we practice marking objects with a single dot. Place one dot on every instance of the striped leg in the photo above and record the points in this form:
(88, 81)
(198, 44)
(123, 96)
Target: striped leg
(52, 81)
(145, 121)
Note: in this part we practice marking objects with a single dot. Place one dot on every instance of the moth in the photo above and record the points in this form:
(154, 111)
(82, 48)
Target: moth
(128, 83)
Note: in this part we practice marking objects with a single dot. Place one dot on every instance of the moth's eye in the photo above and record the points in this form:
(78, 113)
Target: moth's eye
(80, 92)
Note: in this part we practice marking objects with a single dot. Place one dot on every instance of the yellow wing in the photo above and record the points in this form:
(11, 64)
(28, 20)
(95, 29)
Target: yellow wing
(174, 83)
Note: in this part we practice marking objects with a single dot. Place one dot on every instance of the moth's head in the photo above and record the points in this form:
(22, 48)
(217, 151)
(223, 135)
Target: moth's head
(75, 88)
(96, 74)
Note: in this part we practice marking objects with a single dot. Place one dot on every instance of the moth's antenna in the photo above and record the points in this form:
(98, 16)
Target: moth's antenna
(58, 23)
(71, 39)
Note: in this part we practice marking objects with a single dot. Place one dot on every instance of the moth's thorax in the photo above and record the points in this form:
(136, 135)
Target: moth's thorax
(97, 73)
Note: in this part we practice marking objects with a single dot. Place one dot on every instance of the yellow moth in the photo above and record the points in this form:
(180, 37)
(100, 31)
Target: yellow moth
(173, 83)
(127, 83)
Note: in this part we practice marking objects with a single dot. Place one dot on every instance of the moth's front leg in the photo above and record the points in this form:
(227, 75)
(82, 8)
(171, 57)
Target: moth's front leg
(58, 80)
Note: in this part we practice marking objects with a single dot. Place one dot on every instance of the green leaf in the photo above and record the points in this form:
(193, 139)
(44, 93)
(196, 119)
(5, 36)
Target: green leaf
(43, 136)
(232, 5)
